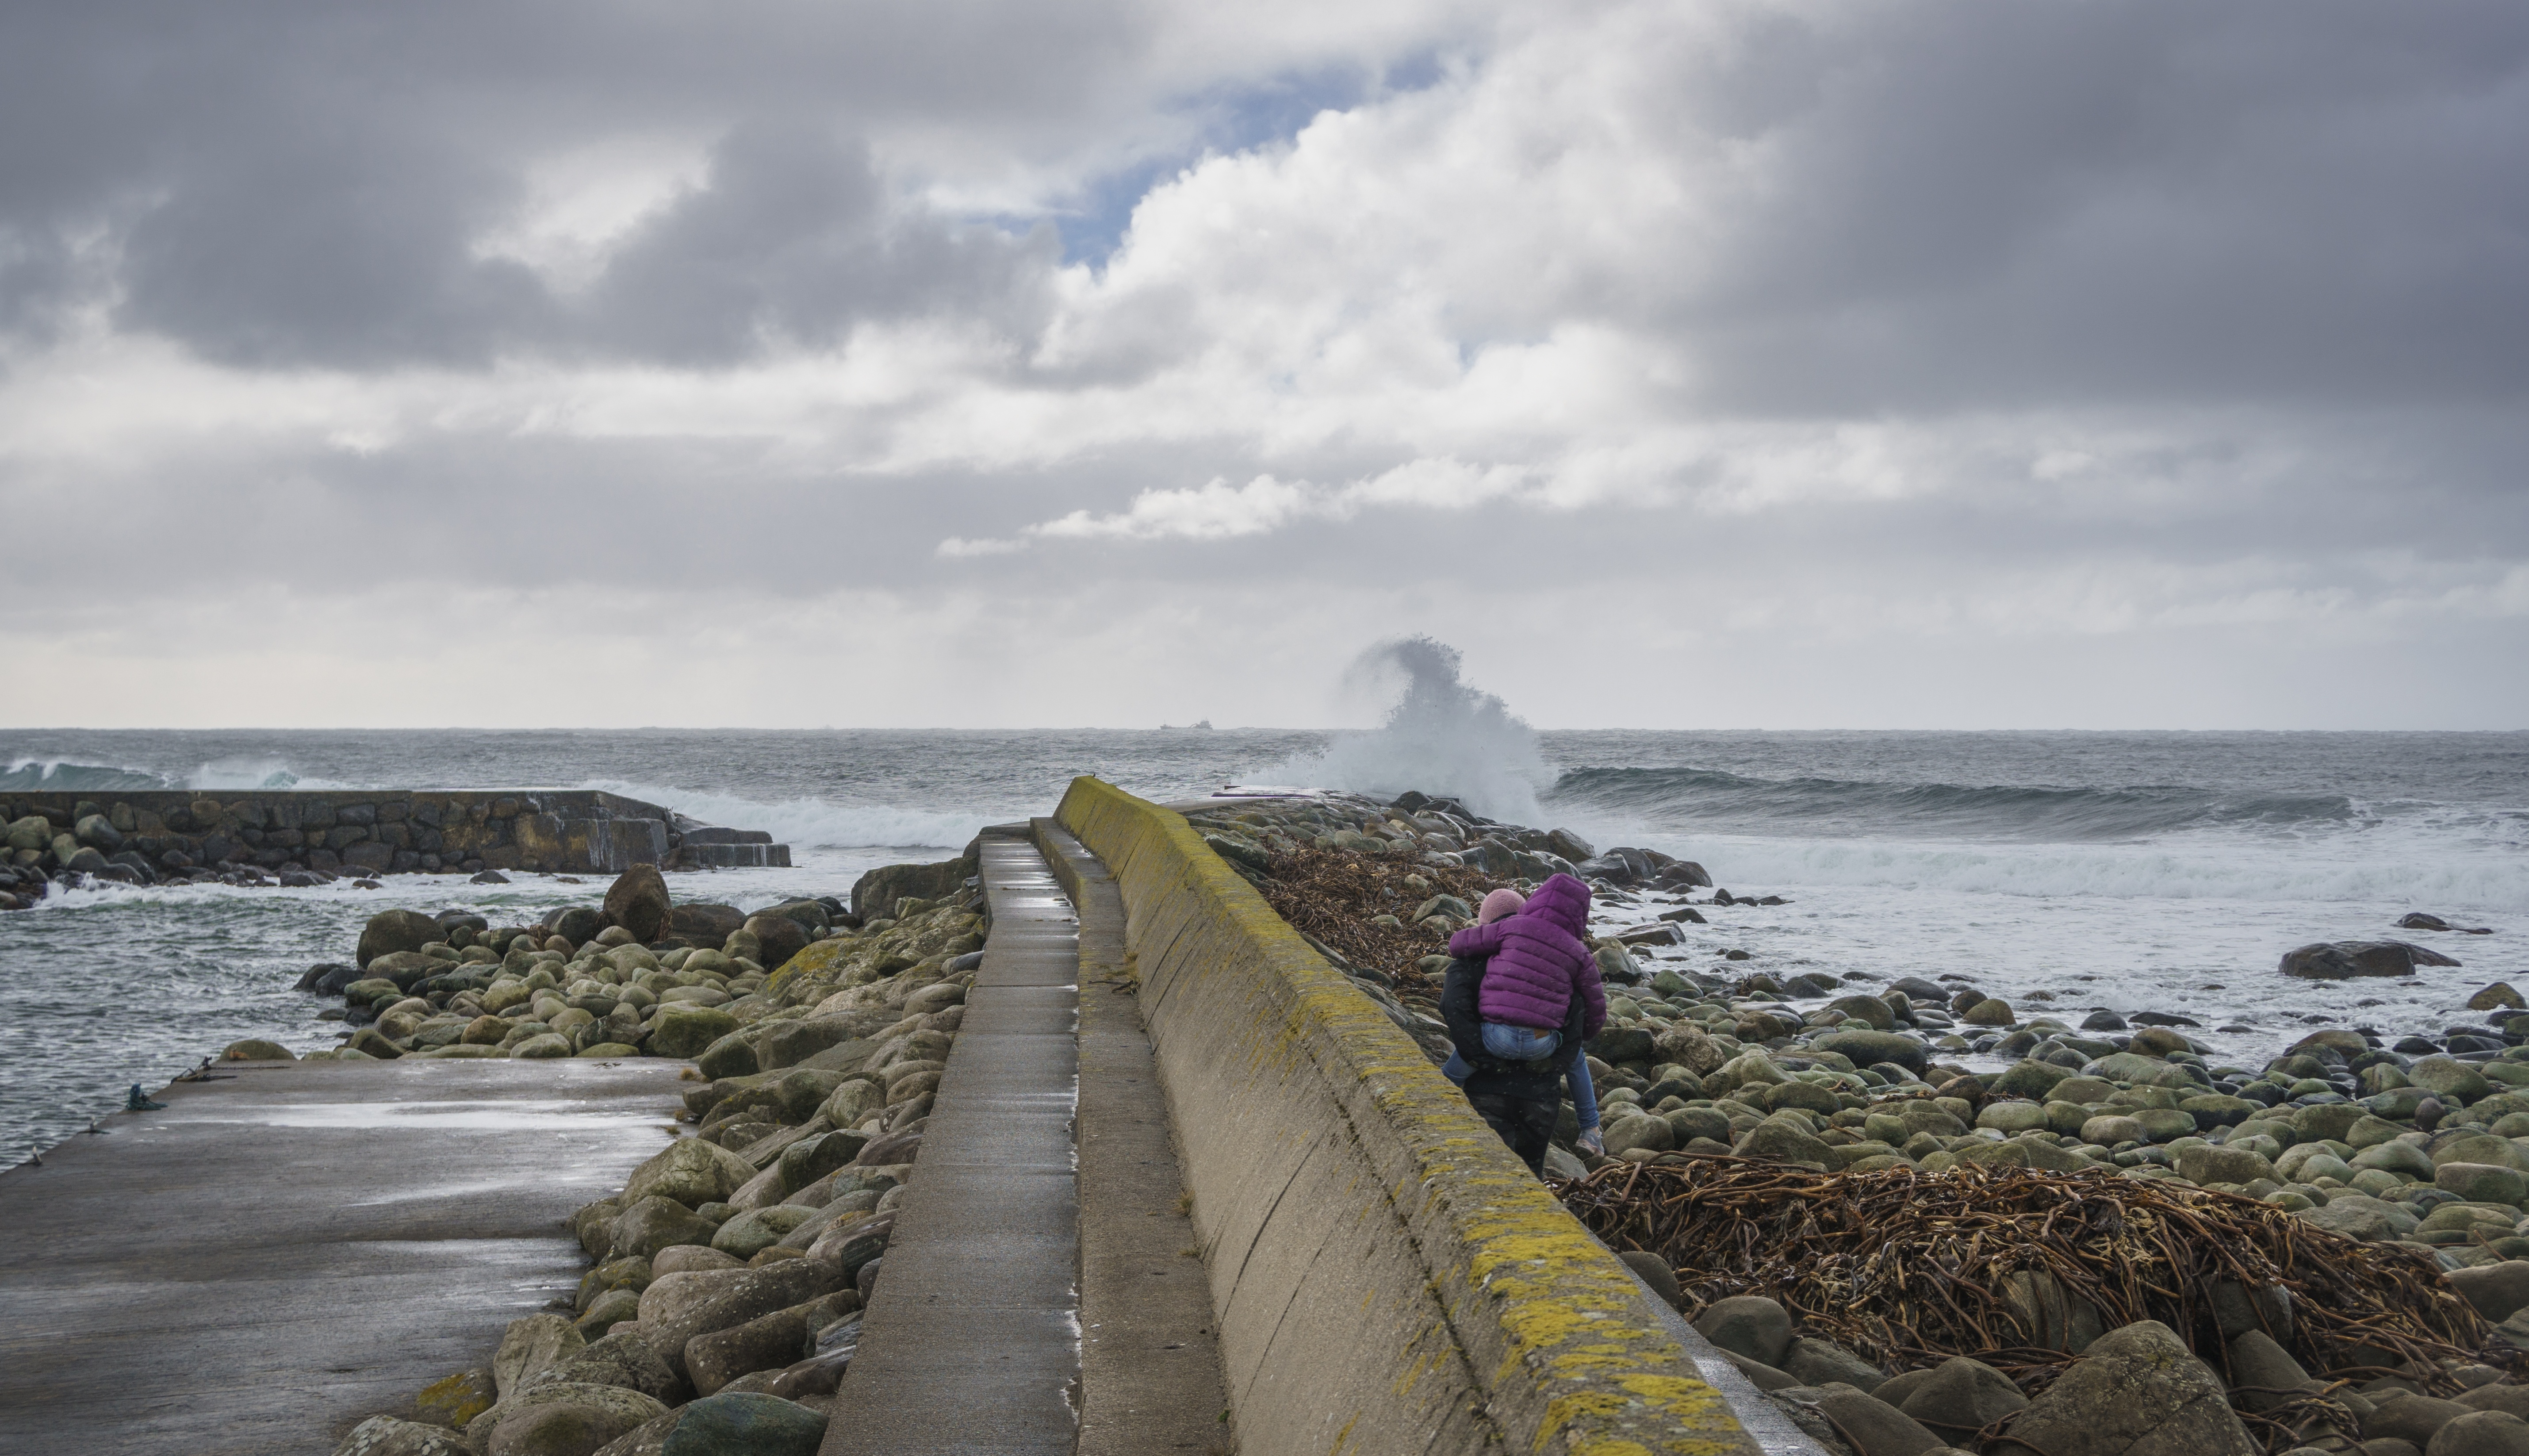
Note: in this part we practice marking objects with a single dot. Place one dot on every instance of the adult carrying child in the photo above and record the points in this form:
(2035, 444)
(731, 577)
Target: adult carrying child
(1521, 995)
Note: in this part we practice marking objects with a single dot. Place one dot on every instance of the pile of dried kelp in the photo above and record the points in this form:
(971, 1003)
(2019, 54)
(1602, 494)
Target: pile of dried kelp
(1908, 1268)
(1333, 894)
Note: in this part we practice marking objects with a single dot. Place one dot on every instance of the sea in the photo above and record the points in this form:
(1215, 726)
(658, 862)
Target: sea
(2060, 871)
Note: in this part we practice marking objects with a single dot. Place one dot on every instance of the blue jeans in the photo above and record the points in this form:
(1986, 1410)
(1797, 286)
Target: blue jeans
(1576, 1067)
(1513, 1042)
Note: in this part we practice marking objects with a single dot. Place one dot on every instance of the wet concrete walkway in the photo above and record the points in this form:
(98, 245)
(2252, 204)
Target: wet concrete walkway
(972, 1339)
(278, 1256)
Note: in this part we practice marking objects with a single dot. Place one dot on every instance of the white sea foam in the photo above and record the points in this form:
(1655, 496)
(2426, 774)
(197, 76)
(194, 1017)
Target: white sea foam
(2445, 880)
(1443, 736)
(251, 774)
(811, 823)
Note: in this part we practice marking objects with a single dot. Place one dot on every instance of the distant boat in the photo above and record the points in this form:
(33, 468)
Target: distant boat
(1204, 726)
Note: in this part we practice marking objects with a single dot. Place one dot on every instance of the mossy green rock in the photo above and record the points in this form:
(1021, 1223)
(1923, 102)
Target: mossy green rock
(2482, 1147)
(2034, 1080)
(568, 1418)
(2206, 1163)
(2484, 1183)
(2012, 1116)
(1689, 1123)
(1807, 1096)
(733, 1055)
(2329, 1121)
(2449, 1078)
(682, 1029)
(2218, 1110)
(1871, 1048)
(690, 1171)
(745, 1423)
(2110, 1128)
(2403, 1159)
(607, 1310)
(650, 1224)
(751, 1234)
(2370, 1132)
(2162, 1124)
(1784, 1141)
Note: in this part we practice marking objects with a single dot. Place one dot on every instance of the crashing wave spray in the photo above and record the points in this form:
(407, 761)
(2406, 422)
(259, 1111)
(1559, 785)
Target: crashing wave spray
(1441, 736)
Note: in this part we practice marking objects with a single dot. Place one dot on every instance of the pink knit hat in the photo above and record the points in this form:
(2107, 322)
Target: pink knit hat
(1497, 904)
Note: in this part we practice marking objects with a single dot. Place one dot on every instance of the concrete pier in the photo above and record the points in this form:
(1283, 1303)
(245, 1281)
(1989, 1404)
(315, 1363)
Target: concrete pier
(972, 1341)
(293, 1247)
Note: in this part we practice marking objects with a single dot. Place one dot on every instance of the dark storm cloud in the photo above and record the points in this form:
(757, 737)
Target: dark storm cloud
(1987, 203)
(283, 185)
(793, 238)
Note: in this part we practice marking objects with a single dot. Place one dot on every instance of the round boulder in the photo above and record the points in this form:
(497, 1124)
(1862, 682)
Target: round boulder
(567, 1418)
(256, 1048)
(690, 1171)
(745, 1424)
(779, 936)
(1748, 1325)
(391, 931)
(683, 1029)
(2483, 1434)
(385, 1435)
(637, 902)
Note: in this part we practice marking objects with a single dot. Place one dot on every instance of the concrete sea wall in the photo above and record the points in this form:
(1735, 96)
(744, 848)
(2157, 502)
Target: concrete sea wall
(156, 834)
(1386, 1275)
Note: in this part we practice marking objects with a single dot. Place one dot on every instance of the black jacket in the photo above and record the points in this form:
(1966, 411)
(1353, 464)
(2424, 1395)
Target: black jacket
(1528, 1081)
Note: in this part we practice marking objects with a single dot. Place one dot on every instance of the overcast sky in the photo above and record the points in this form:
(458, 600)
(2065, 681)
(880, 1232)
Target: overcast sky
(971, 363)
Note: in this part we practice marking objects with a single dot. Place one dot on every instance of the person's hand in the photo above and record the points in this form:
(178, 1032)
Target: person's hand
(1590, 1143)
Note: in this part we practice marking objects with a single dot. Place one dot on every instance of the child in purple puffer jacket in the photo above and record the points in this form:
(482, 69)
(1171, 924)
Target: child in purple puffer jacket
(1522, 995)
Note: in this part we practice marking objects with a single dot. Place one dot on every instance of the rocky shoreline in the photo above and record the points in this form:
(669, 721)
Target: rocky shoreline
(719, 1309)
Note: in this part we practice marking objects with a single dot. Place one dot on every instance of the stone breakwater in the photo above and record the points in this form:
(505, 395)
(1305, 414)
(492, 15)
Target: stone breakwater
(721, 1304)
(303, 839)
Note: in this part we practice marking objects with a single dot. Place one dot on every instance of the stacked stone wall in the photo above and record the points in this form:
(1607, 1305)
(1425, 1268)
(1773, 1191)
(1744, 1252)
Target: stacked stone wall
(159, 834)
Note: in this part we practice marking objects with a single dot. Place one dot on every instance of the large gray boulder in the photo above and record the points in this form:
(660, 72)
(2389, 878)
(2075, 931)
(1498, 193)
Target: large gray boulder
(653, 1225)
(564, 1418)
(1873, 1427)
(385, 1435)
(747, 1425)
(2343, 960)
(528, 1346)
(2483, 1434)
(2413, 1419)
(691, 1171)
(1747, 1324)
(391, 931)
(2136, 1392)
(2265, 1372)
(626, 1360)
(638, 901)
(676, 1308)
(1783, 1142)
(770, 1341)
(1960, 1397)
(1826, 1363)
(875, 895)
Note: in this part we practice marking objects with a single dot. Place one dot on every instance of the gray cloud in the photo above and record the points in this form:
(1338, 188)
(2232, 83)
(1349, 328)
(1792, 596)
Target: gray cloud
(794, 238)
(1982, 204)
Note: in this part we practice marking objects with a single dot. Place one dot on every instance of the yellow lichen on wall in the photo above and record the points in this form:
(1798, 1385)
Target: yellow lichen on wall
(1548, 1320)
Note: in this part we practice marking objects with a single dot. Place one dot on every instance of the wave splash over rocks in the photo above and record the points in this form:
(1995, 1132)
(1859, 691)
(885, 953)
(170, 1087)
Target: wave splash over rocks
(1442, 735)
